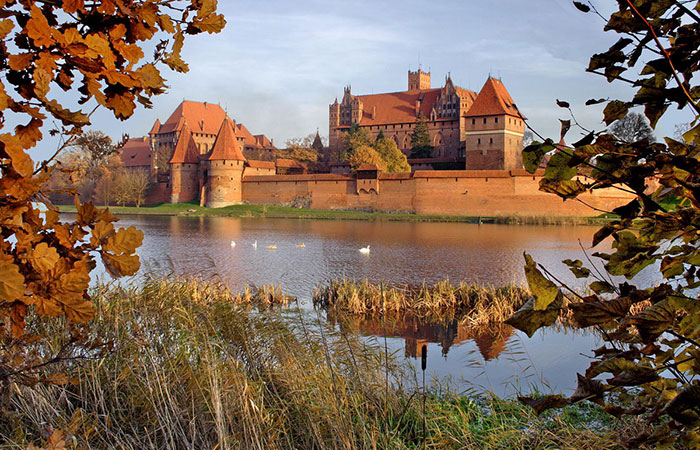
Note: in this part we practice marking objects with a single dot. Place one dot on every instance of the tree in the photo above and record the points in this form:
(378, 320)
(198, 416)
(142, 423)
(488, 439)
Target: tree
(651, 358)
(632, 128)
(94, 51)
(420, 139)
(366, 155)
(300, 149)
(528, 138)
(394, 160)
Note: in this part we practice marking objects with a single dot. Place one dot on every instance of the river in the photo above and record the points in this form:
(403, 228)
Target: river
(504, 361)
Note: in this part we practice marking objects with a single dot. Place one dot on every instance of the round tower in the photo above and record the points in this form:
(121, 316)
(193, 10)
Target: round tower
(224, 169)
(184, 168)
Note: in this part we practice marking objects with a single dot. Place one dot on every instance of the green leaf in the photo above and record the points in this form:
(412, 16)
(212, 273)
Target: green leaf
(533, 154)
(528, 320)
(587, 314)
(544, 290)
(615, 110)
(563, 188)
(558, 167)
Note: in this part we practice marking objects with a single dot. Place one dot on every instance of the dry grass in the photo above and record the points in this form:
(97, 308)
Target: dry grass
(478, 305)
(193, 368)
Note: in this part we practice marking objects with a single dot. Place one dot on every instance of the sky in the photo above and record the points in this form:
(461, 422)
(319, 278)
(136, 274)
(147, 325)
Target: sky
(278, 64)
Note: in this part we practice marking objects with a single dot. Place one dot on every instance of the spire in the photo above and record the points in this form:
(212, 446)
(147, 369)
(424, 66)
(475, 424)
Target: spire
(317, 144)
(226, 145)
(186, 151)
(156, 128)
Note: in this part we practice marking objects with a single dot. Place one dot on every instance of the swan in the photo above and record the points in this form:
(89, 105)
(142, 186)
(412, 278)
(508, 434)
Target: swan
(233, 243)
(365, 250)
(302, 245)
(272, 247)
(255, 244)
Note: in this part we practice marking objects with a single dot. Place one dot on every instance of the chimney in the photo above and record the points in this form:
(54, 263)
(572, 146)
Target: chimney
(417, 107)
(374, 112)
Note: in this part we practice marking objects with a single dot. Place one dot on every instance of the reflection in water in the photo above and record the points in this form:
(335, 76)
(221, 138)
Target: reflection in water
(491, 341)
(403, 253)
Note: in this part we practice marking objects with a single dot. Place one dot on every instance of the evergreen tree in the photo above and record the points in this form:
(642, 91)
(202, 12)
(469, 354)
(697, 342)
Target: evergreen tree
(380, 136)
(420, 139)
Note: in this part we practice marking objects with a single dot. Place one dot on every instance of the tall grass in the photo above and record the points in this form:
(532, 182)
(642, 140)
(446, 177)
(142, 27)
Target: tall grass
(476, 304)
(191, 367)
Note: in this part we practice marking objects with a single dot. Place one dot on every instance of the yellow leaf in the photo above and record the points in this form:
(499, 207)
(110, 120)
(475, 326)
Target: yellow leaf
(38, 28)
(101, 231)
(11, 280)
(166, 23)
(147, 13)
(80, 311)
(5, 99)
(28, 135)
(691, 135)
(126, 241)
(6, 26)
(211, 24)
(46, 307)
(20, 61)
(149, 76)
(121, 265)
(21, 161)
(43, 258)
(74, 282)
(71, 6)
(208, 7)
(121, 104)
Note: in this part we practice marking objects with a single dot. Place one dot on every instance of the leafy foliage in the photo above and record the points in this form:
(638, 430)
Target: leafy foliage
(652, 353)
(360, 148)
(94, 51)
(420, 139)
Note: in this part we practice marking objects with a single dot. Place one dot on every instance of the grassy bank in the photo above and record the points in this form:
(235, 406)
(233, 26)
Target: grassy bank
(192, 367)
(284, 212)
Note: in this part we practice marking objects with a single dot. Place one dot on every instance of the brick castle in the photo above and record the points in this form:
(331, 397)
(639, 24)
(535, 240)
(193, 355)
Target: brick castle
(483, 131)
(201, 155)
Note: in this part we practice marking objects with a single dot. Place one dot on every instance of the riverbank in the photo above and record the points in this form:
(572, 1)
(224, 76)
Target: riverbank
(190, 367)
(283, 212)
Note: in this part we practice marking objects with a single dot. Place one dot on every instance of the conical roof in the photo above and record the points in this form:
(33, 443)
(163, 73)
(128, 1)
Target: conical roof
(226, 145)
(493, 100)
(186, 151)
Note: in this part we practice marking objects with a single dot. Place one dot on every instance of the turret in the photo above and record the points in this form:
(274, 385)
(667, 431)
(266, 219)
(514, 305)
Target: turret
(224, 169)
(418, 80)
(184, 165)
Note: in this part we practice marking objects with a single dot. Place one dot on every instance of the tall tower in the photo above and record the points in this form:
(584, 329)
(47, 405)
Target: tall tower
(418, 80)
(494, 130)
(333, 124)
(224, 169)
(184, 165)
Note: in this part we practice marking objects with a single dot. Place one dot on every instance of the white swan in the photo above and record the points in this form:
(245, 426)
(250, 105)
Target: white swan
(302, 245)
(255, 244)
(365, 250)
(272, 247)
(233, 243)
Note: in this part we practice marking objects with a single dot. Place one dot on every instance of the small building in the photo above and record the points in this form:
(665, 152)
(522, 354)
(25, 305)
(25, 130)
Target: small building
(136, 154)
(290, 167)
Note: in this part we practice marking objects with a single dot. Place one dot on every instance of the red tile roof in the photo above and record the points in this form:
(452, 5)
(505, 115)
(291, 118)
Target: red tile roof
(226, 145)
(202, 117)
(304, 177)
(367, 167)
(261, 164)
(493, 100)
(289, 163)
(396, 107)
(186, 151)
(136, 152)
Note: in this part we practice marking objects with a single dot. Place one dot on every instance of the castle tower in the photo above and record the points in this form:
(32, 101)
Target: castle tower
(418, 80)
(224, 169)
(333, 123)
(184, 165)
(493, 129)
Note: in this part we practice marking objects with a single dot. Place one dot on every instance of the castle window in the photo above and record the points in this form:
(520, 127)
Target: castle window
(473, 121)
(490, 140)
(496, 120)
(484, 119)
(478, 141)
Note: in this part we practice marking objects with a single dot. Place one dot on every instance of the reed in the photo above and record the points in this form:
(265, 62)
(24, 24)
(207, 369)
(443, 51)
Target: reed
(475, 304)
(192, 367)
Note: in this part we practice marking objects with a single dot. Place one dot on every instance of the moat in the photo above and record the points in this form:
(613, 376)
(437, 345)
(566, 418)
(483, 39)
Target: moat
(503, 360)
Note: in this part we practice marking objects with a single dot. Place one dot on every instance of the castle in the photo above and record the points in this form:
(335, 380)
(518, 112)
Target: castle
(201, 155)
(483, 131)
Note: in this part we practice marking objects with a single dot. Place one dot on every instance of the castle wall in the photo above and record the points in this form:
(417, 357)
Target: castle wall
(185, 182)
(465, 193)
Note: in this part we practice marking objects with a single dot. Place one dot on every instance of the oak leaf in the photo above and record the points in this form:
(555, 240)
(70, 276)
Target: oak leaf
(43, 258)
(11, 280)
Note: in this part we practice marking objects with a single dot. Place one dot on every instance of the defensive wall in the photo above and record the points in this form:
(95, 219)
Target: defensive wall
(459, 192)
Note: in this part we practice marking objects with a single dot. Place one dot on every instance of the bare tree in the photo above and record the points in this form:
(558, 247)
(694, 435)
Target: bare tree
(632, 128)
(528, 138)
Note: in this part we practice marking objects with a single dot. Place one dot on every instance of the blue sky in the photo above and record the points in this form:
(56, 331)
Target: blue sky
(278, 64)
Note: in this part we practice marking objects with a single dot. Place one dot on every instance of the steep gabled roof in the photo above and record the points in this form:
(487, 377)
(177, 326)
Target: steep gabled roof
(186, 151)
(226, 145)
(396, 107)
(493, 100)
(156, 128)
(136, 152)
(201, 117)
